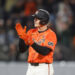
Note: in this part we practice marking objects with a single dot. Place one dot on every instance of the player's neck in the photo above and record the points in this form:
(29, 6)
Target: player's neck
(43, 28)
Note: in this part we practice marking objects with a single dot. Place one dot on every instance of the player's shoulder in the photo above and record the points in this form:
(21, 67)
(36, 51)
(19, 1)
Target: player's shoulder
(51, 32)
(52, 35)
(32, 30)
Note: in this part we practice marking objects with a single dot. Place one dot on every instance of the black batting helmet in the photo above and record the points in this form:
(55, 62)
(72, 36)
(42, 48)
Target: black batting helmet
(42, 15)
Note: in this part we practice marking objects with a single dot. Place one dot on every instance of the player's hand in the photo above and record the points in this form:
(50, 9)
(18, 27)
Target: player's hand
(25, 29)
(23, 35)
(19, 29)
(21, 32)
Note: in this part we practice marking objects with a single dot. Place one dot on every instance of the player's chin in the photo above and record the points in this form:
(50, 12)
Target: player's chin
(37, 26)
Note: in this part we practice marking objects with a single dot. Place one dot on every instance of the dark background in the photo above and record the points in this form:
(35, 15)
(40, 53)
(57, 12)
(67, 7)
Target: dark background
(62, 21)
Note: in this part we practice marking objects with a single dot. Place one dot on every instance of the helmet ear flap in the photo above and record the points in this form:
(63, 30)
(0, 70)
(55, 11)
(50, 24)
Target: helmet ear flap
(43, 22)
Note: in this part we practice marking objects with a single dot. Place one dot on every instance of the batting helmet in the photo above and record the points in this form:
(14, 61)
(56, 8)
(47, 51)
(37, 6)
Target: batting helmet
(42, 15)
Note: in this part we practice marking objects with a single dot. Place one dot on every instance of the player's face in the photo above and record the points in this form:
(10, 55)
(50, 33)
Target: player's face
(36, 22)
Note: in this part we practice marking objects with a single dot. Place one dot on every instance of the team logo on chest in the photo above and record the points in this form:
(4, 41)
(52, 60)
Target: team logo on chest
(42, 40)
(50, 43)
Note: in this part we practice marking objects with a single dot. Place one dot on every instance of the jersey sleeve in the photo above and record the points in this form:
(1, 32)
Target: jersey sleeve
(30, 32)
(51, 41)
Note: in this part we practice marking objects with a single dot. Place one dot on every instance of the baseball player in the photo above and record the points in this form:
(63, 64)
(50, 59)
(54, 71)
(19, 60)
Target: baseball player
(41, 42)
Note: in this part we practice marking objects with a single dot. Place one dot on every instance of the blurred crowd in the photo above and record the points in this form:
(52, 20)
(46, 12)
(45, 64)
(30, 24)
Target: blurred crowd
(62, 16)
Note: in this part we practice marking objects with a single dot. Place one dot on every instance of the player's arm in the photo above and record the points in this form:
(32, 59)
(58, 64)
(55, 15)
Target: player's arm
(48, 46)
(22, 46)
(43, 50)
